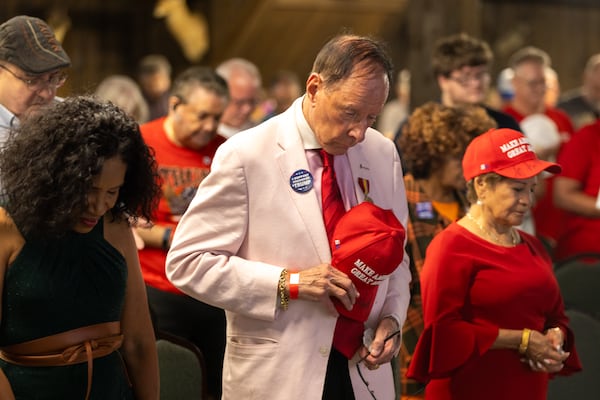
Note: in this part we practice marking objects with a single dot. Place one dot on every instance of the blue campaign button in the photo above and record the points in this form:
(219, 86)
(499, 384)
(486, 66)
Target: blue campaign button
(301, 181)
(424, 210)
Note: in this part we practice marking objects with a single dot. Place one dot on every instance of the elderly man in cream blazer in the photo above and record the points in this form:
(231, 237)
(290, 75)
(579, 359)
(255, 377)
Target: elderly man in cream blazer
(249, 225)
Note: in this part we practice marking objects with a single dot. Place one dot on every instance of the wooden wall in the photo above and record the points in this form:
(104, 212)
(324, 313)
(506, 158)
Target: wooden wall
(568, 30)
(287, 34)
(110, 36)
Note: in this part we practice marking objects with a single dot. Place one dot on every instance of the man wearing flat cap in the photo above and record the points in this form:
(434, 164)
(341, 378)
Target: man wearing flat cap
(32, 64)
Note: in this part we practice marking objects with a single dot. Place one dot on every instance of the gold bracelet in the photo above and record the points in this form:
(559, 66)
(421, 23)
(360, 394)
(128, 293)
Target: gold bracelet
(524, 341)
(284, 297)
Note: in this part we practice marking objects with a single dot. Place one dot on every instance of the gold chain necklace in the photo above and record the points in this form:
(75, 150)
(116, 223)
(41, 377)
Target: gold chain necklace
(493, 236)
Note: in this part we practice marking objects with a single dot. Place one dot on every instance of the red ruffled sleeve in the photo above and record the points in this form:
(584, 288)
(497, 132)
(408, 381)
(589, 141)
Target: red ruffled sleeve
(446, 346)
(470, 290)
(449, 340)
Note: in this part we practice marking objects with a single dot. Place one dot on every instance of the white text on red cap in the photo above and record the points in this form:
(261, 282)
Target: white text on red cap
(516, 147)
(366, 274)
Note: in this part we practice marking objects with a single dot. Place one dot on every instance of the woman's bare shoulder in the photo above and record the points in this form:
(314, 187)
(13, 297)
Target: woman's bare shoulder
(6, 222)
(117, 232)
(11, 240)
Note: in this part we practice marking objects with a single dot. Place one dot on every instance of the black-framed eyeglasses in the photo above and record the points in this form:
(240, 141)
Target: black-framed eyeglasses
(465, 80)
(54, 81)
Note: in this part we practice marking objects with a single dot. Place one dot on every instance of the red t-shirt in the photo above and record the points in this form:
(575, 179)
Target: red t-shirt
(181, 171)
(549, 220)
(581, 161)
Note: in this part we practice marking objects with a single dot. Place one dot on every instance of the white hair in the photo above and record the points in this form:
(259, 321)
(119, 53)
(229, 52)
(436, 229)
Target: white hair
(238, 65)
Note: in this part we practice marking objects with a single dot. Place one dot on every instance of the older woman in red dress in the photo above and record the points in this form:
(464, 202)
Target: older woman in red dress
(495, 326)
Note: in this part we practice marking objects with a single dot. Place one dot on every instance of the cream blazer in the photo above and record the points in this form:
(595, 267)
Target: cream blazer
(245, 225)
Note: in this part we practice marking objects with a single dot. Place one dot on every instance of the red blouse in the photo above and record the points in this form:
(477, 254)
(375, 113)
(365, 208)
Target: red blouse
(470, 289)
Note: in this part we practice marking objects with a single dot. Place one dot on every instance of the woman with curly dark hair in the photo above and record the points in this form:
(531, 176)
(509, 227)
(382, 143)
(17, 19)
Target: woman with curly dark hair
(73, 176)
(432, 143)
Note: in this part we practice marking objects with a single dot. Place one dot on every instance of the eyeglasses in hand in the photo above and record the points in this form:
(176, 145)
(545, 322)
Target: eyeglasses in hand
(362, 378)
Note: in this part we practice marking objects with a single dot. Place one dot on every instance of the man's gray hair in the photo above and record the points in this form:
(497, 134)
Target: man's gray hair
(238, 65)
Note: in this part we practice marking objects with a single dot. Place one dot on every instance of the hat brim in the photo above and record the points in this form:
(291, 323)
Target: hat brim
(529, 169)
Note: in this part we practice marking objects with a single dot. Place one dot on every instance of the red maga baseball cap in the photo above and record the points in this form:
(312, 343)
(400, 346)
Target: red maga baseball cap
(369, 246)
(506, 152)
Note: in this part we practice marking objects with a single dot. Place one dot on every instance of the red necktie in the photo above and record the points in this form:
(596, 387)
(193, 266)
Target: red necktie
(333, 205)
(348, 333)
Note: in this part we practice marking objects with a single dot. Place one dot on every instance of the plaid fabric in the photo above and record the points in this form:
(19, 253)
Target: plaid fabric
(424, 223)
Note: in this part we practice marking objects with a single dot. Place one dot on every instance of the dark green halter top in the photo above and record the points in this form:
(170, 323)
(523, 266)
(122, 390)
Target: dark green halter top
(54, 286)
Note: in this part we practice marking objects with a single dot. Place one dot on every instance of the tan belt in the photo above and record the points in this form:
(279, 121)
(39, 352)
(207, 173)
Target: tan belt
(66, 348)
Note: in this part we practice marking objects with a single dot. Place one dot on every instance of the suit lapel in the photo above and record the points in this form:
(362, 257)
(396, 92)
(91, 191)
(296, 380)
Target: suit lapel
(291, 159)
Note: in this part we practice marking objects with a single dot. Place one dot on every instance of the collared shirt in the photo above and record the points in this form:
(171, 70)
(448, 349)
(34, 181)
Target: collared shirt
(341, 164)
(7, 121)
(228, 131)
